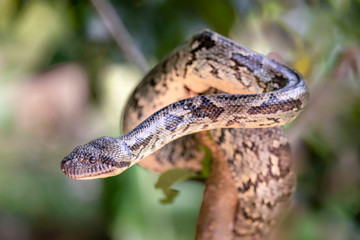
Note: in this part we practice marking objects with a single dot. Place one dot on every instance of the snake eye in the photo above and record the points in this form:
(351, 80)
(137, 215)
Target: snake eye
(92, 159)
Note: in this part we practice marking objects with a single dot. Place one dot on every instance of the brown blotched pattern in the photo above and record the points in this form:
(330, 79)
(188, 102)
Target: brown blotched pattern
(255, 95)
(263, 173)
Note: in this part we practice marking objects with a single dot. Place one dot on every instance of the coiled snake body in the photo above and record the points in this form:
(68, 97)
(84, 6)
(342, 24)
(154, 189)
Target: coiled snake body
(250, 96)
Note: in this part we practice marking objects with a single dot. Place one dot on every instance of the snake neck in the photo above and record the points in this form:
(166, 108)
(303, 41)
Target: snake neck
(208, 112)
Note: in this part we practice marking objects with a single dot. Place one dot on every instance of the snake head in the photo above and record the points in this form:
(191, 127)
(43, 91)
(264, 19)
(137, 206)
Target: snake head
(100, 158)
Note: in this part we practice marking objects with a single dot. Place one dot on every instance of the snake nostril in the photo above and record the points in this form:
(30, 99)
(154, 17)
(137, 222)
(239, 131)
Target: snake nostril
(65, 164)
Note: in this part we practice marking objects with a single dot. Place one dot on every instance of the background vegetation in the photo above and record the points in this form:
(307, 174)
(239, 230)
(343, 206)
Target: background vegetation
(64, 81)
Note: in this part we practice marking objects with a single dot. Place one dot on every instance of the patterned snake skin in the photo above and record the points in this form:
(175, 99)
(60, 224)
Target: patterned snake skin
(209, 83)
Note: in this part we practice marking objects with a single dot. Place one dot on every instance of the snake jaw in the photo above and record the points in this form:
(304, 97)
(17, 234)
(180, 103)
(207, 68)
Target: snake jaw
(82, 169)
(92, 160)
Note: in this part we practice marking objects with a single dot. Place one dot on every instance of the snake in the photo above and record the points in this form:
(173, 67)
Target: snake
(209, 83)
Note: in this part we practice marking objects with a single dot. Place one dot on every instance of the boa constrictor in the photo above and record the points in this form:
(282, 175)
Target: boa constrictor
(209, 83)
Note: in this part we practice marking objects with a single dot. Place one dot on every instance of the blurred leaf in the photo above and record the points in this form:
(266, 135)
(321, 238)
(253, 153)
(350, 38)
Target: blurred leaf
(169, 178)
(303, 65)
(37, 30)
(220, 14)
(319, 145)
(7, 10)
(306, 229)
(346, 14)
(206, 162)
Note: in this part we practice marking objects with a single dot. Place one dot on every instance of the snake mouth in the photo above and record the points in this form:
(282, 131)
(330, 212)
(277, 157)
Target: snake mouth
(80, 172)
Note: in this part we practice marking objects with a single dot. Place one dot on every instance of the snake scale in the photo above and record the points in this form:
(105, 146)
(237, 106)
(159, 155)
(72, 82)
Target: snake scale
(209, 83)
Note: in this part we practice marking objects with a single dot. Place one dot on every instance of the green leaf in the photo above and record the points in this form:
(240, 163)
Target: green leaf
(169, 178)
(206, 162)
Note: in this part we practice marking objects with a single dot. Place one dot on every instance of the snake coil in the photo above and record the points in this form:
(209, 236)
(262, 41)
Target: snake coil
(209, 83)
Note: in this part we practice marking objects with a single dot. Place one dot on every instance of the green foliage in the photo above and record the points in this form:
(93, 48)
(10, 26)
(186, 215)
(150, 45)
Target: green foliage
(169, 178)
(206, 162)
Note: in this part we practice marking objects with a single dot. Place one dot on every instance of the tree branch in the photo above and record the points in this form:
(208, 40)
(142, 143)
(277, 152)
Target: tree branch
(218, 209)
(119, 32)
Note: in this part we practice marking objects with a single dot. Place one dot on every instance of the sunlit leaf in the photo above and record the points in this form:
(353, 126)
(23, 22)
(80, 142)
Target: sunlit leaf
(169, 178)
(303, 65)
